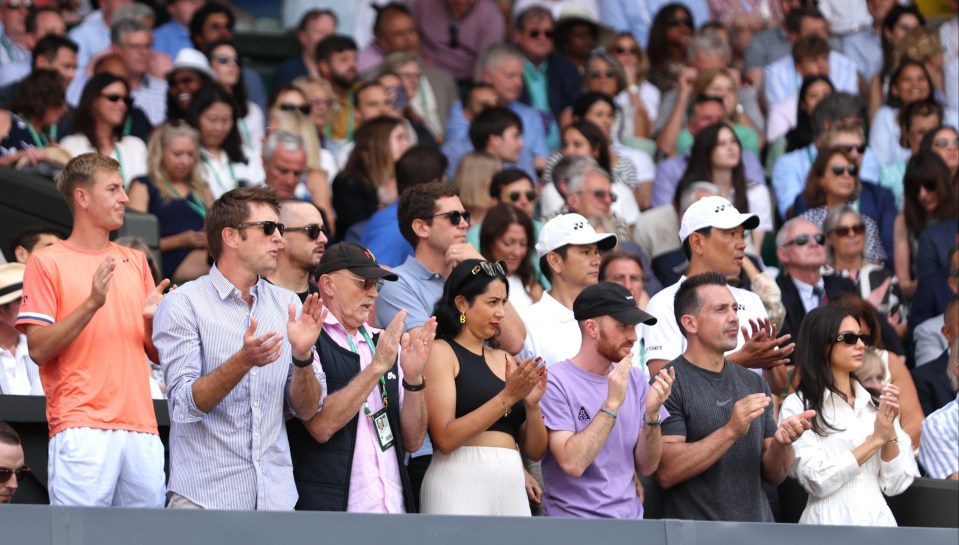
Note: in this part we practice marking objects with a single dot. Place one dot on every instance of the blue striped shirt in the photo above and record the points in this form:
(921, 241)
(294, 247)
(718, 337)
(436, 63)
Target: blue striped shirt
(236, 456)
(939, 448)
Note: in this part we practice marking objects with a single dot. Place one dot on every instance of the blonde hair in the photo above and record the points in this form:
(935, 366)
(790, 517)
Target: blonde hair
(871, 364)
(302, 126)
(919, 45)
(159, 140)
(80, 172)
(473, 176)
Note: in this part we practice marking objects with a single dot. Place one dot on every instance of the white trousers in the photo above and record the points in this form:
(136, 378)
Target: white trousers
(475, 481)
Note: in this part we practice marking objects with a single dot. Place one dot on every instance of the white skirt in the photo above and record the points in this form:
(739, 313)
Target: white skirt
(475, 481)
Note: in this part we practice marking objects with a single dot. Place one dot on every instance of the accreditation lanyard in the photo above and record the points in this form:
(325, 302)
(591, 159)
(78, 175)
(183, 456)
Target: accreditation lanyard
(40, 139)
(212, 168)
(116, 150)
(369, 342)
(190, 200)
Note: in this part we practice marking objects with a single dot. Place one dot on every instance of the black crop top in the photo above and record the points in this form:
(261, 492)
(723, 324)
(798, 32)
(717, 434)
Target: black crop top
(476, 384)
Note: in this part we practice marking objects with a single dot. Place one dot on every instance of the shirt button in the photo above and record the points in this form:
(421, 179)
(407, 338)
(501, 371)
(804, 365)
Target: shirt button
(253, 372)
(256, 403)
(256, 434)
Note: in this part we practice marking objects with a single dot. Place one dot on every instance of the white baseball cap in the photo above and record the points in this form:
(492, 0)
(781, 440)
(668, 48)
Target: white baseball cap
(571, 229)
(191, 59)
(714, 212)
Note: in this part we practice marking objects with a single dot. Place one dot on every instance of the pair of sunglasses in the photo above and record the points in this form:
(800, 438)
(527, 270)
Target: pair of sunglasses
(367, 283)
(848, 231)
(609, 73)
(802, 240)
(849, 148)
(943, 143)
(625, 51)
(269, 227)
(853, 338)
(839, 170)
(455, 216)
(515, 195)
(312, 230)
(6, 473)
(602, 194)
(115, 97)
(491, 269)
(537, 33)
(304, 109)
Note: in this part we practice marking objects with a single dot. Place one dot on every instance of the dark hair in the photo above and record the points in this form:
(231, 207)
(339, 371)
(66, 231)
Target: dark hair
(687, 300)
(547, 272)
(926, 144)
(233, 208)
(700, 165)
(29, 237)
(814, 346)
(332, 45)
(923, 168)
(239, 89)
(809, 47)
(8, 435)
(795, 16)
(919, 108)
(371, 160)
(506, 177)
(384, 10)
(585, 101)
(801, 135)
(51, 44)
(498, 219)
(492, 121)
(419, 165)
(461, 281)
(37, 93)
(813, 193)
(30, 23)
(537, 11)
(419, 202)
(83, 119)
(687, 249)
(836, 107)
(617, 255)
(597, 140)
(896, 102)
(702, 99)
(863, 311)
(208, 95)
(312, 14)
(469, 89)
(200, 16)
(659, 48)
(888, 24)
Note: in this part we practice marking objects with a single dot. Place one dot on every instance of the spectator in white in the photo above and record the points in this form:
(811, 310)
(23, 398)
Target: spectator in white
(713, 236)
(780, 79)
(637, 17)
(39, 23)
(231, 377)
(284, 162)
(172, 36)
(720, 441)
(845, 17)
(939, 448)
(350, 455)
(19, 375)
(773, 43)
(133, 41)
(811, 58)
(12, 468)
(602, 417)
(314, 27)
(568, 251)
(864, 46)
(15, 40)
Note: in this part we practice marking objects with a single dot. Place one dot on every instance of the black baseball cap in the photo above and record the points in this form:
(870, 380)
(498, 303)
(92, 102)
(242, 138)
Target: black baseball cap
(355, 258)
(610, 299)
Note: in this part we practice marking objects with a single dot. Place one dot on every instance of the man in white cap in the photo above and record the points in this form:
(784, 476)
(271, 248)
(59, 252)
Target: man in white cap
(568, 250)
(19, 375)
(713, 237)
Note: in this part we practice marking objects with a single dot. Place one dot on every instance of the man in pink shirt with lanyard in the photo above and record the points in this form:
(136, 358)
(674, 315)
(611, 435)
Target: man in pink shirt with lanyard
(349, 456)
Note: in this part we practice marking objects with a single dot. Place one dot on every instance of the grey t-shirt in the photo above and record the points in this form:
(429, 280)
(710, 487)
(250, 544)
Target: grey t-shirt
(700, 403)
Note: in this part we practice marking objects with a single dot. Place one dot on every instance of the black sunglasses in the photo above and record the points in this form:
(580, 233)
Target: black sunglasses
(537, 33)
(312, 230)
(115, 97)
(305, 109)
(802, 240)
(929, 185)
(675, 21)
(367, 283)
(848, 231)
(455, 216)
(609, 73)
(849, 148)
(6, 473)
(515, 195)
(269, 227)
(853, 338)
(625, 50)
(491, 269)
(838, 170)
(227, 59)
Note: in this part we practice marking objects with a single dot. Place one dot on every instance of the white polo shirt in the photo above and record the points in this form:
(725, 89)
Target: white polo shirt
(552, 332)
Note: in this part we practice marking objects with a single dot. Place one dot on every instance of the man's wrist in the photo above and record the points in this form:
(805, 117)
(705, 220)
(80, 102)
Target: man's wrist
(304, 361)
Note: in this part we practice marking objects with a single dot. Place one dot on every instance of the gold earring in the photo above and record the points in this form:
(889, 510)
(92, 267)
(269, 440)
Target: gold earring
(462, 318)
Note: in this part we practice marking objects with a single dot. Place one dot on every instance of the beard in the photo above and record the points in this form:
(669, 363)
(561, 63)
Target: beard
(343, 81)
(610, 350)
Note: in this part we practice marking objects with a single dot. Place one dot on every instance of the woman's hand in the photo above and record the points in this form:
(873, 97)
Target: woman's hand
(539, 388)
(888, 411)
(521, 379)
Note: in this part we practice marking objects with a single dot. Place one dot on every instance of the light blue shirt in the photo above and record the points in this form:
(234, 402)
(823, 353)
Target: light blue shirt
(791, 170)
(236, 456)
(92, 36)
(636, 16)
(534, 137)
(383, 238)
(939, 448)
(781, 81)
(537, 85)
(865, 49)
(171, 37)
(458, 142)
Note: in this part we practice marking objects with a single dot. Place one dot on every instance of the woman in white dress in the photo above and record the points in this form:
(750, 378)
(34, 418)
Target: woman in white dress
(856, 450)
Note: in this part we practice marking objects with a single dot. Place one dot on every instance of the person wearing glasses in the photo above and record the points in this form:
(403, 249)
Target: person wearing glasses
(483, 404)
(227, 69)
(12, 466)
(350, 455)
(133, 41)
(87, 310)
(857, 451)
(99, 125)
(175, 192)
(305, 236)
(238, 356)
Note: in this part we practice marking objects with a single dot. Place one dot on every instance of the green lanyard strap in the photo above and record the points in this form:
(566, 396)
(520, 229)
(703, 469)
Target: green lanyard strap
(39, 138)
(212, 169)
(382, 385)
(116, 150)
(190, 200)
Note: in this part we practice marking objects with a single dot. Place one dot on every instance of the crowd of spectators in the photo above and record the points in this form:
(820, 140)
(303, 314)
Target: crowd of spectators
(488, 257)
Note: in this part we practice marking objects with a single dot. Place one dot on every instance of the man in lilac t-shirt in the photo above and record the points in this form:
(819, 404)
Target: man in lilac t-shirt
(601, 415)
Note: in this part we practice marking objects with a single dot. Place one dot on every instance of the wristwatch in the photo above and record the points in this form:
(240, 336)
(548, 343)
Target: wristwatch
(411, 388)
(652, 424)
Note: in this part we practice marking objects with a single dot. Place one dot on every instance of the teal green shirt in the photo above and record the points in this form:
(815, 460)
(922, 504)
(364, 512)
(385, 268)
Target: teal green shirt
(537, 85)
(748, 139)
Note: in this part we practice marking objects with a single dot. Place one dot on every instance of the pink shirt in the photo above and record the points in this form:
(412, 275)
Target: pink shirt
(375, 484)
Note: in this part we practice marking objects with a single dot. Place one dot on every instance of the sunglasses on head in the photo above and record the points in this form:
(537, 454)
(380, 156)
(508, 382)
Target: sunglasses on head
(853, 338)
(312, 230)
(838, 170)
(515, 195)
(802, 240)
(677, 21)
(116, 97)
(602, 194)
(305, 109)
(849, 148)
(609, 73)
(6, 473)
(269, 227)
(367, 283)
(227, 59)
(537, 33)
(848, 231)
(944, 143)
(626, 51)
(491, 269)
(455, 216)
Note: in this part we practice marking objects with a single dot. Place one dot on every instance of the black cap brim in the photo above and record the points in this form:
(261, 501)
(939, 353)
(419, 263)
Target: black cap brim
(374, 272)
(634, 316)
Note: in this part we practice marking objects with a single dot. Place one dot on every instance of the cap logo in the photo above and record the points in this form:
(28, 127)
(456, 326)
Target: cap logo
(578, 225)
(369, 254)
(630, 298)
(720, 208)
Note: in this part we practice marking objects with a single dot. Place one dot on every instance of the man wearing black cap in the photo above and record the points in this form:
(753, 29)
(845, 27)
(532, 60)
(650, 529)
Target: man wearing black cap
(349, 456)
(601, 415)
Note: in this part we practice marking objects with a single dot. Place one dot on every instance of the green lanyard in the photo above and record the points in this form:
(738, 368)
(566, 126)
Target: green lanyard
(369, 342)
(5, 42)
(39, 138)
(212, 169)
(246, 132)
(194, 205)
(116, 150)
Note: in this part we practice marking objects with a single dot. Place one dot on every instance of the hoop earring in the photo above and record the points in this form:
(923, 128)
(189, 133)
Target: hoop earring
(462, 318)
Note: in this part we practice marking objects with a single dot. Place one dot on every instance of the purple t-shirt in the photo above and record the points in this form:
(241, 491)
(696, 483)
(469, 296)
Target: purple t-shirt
(606, 490)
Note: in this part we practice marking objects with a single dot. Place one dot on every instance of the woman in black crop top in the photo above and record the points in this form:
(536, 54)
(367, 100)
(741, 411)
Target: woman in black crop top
(482, 404)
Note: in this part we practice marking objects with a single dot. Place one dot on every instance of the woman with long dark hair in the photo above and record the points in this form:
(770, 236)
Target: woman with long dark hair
(227, 66)
(507, 235)
(669, 38)
(910, 82)
(213, 112)
(30, 121)
(856, 451)
(482, 404)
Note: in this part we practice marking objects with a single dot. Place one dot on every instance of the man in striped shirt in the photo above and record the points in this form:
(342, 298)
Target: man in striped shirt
(939, 448)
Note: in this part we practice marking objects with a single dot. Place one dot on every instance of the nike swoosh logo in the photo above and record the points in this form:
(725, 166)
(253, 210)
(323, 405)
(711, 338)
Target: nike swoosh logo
(724, 403)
